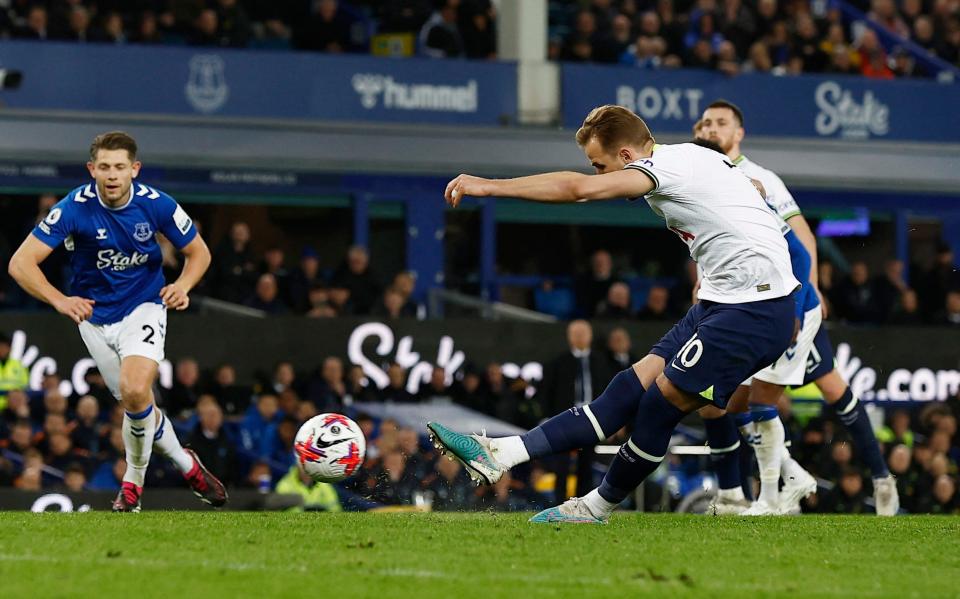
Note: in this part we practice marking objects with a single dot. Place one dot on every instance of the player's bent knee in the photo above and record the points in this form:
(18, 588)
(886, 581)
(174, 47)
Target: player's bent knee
(682, 400)
(739, 402)
(135, 395)
(649, 368)
(831, 386)
(765, 393)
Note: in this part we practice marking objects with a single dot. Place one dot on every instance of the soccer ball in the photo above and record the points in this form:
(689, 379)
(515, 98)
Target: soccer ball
(329, 447)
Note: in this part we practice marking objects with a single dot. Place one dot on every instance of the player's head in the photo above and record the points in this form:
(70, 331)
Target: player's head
(722, 123)
(698, 129)
(114, 165)
(613, 137)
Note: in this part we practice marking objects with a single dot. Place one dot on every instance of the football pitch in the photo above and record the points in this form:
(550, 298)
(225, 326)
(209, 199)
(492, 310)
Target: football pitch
(455, 556)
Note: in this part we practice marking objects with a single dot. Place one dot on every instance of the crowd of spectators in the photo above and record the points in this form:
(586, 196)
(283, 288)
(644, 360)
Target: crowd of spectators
(922, 450)
(775, 36)
(269, 283)
(307, 284)
(732, 36)
(441, 28)
(930, 297)
(245, 433)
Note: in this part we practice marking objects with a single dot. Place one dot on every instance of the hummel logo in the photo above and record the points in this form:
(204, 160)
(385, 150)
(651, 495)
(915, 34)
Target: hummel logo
(101, 233)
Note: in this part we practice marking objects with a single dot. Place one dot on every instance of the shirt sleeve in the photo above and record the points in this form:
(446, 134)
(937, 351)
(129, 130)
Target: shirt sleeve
(666, 169)
(58, 225)
(174, 222)
(780, 198)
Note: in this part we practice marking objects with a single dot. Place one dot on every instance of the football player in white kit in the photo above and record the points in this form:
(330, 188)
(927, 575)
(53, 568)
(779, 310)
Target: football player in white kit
(742, 323)
(120, 298)
(810, 358)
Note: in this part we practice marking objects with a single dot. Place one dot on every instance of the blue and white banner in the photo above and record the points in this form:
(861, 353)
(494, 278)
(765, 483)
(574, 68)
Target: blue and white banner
(845, 107)
(248, 83)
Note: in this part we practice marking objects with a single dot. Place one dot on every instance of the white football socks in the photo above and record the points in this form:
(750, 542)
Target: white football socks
(138, 443)
(769, 450)
(598, 506)
(509, 451)
(168, 445)
(789, 468)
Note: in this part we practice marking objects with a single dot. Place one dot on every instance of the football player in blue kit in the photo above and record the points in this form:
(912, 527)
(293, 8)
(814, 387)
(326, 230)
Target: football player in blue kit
(809, 359)
(119, 299)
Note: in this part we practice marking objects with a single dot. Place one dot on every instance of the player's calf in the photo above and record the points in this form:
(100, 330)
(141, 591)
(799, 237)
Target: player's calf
(724, 442)
(768, 447)
(138, 431)
(585, 426)
(657, 416)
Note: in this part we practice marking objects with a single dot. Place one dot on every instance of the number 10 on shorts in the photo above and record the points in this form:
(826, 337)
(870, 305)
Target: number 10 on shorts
(690, 353)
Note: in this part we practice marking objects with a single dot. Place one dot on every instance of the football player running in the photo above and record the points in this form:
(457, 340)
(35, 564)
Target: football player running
(119, 298)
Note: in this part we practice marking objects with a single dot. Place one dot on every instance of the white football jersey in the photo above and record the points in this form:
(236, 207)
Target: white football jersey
(778, 196)
(732, 234)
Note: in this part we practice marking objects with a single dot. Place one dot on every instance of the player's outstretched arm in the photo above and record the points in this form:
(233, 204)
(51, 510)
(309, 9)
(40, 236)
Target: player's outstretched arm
(175, 295)
(557, 187)
(24, 267)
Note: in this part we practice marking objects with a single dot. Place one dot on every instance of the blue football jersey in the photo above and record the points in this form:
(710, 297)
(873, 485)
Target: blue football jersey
(115, 256)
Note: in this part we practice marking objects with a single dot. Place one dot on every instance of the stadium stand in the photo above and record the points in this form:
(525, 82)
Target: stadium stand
(328, 286)
(765, 36)
(49, 441)
(242, 420)
(878, 39)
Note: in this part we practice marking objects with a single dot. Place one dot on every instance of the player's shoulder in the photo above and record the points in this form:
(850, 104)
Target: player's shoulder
(83, 194)
(143, 191)
(688, 153)
(663, 154)
(670, 150)
(74, 201)
(757, 171)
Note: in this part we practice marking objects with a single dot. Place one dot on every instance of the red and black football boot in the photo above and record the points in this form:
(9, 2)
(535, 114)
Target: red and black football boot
(205, 485)
(128, 499)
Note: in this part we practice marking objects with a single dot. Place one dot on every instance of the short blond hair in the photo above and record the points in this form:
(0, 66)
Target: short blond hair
(613, 126)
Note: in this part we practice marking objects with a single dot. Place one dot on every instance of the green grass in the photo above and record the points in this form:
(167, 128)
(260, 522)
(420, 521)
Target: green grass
(456, 556)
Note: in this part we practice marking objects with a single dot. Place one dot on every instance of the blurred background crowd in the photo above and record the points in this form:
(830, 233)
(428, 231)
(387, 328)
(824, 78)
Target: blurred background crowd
(293, 277)
(245, 434)
(732, 36)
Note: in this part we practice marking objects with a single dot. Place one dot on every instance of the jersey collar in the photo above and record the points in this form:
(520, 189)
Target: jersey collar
(102, 203)
(739, 159)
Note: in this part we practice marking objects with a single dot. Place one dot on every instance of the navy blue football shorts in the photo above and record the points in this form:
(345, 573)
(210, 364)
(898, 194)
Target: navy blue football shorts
(715, 347)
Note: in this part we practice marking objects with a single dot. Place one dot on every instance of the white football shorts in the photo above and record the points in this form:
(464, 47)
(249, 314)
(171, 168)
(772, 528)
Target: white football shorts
(791, 367)
(140, 333)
